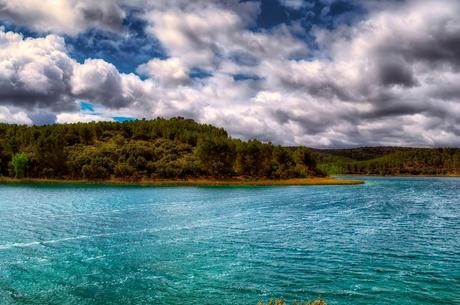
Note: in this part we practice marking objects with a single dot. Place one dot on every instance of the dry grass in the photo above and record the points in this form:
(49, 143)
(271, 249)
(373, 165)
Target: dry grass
(188, 182)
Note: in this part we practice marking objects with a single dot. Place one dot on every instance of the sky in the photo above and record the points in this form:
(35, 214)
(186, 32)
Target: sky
(320, 73)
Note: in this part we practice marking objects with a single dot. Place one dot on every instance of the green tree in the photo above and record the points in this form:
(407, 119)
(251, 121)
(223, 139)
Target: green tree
(217, 156)
(20, 163)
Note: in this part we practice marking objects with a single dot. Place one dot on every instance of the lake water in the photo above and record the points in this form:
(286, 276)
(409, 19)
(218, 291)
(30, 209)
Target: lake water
(390, 241)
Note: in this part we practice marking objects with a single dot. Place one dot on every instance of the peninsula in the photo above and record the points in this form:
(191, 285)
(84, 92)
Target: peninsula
(173, 151)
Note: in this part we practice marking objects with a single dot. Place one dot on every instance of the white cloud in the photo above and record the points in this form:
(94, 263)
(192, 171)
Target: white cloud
(63, 16)
(39, 73)
(98, 81)
(34, 72)
(390, 79)
(72, 117)
(203, 37)
(169, 71)
(20, 117)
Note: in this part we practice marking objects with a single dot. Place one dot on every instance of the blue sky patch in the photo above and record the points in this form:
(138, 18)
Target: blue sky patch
(122, 119)
(87, 107)
(243, 77)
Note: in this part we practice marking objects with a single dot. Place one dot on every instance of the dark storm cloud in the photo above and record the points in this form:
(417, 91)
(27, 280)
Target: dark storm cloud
(447, 92)
(108, 14)
(395, 72)
(309, 125)
(323, 89)
(24, 98)
(441, 45)
(393, 110)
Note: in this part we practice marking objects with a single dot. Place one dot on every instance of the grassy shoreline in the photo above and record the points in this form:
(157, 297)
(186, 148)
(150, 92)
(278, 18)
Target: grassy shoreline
(188, 182)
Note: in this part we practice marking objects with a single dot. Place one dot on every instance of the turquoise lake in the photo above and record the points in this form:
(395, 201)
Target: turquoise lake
(389, 241)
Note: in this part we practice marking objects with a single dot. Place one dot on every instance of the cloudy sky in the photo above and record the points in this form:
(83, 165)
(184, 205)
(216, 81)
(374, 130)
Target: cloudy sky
(324, 73)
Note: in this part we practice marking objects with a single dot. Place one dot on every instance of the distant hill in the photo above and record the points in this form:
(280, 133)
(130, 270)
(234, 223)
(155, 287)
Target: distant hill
(160, 148)
(389, 161)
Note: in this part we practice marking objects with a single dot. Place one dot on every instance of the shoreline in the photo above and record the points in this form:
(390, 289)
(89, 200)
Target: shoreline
(205, 182)
(397, 176)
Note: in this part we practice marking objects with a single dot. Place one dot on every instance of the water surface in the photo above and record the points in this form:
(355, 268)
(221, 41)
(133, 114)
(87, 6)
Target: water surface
(390, 241)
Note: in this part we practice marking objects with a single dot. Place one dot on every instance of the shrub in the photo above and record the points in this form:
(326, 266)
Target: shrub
(20, 163)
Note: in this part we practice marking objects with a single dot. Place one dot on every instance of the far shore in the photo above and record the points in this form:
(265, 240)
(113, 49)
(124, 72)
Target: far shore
(396, 176)
(189, 182)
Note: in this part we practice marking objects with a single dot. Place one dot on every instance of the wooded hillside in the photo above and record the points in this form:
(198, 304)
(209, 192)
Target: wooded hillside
(389, 161)
(160, 148)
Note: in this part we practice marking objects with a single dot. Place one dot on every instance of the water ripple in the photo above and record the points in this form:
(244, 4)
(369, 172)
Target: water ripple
(390, 241)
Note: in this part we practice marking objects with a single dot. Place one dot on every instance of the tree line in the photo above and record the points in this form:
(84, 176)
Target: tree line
(162, 148)
(389, 161)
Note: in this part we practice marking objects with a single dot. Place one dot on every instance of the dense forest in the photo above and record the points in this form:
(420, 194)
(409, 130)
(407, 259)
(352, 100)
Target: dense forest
(154, 149)
(389, 161)
(180, 148)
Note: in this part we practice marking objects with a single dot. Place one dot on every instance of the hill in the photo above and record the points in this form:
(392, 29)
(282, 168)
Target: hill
(153, 149)
(180, 148)
(389, 161)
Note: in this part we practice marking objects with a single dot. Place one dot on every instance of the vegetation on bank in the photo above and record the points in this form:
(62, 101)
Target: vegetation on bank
(389, 161)
(187, 182)
(145, 149)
